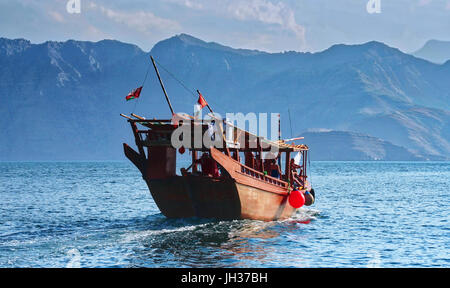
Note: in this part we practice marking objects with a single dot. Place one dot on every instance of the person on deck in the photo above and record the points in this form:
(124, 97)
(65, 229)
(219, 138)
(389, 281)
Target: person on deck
(249, 159)
(257, 166)
(267, 165)
(295, 174)
(275, 170)
(209, 166)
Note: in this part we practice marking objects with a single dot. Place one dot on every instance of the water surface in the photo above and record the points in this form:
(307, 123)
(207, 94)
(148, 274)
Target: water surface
(100, 214)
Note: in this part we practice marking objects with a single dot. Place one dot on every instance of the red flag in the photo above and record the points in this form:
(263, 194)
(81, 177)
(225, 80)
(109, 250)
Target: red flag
(134, 94)
(201, 101)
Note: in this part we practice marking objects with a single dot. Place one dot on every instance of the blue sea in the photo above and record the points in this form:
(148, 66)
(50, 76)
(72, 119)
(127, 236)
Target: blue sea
(101, 214)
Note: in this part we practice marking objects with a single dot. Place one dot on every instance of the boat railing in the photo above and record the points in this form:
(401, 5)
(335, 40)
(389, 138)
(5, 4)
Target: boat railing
(261, 176)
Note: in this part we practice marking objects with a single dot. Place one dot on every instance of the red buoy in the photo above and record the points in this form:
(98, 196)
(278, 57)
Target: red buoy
(296, 199)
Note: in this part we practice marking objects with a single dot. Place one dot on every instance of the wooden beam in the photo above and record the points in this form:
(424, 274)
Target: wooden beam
(125, 116)
(137, 116)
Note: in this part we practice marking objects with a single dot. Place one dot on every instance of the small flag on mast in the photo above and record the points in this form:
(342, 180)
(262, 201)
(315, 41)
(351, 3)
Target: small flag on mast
(134, 94)
(201, 101)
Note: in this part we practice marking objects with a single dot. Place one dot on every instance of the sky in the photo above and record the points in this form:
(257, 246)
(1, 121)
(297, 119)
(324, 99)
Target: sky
(267, 25)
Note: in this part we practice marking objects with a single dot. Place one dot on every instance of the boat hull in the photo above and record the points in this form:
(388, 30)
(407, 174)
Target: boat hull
(205, 197)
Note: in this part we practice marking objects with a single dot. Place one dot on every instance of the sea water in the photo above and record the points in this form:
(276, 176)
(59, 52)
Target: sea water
(101, 214)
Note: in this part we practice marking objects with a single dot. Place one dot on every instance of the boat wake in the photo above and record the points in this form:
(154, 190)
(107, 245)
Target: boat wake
(161, 240)
(303, 216)
(158, 227)
(142, 235)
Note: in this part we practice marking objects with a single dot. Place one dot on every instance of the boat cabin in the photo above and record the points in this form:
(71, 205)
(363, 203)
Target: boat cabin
(254, 154)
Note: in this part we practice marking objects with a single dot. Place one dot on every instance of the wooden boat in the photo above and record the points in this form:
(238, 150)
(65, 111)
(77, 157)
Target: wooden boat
(242, 190)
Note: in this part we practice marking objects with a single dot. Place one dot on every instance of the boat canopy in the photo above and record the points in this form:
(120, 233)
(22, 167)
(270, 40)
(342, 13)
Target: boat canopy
(242, 140)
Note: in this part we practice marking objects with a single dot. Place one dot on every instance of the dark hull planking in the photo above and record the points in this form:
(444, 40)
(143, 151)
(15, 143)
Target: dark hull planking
(205, 197)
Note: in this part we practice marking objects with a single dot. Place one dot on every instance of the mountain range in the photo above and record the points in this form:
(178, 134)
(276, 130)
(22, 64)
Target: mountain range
(61, 100)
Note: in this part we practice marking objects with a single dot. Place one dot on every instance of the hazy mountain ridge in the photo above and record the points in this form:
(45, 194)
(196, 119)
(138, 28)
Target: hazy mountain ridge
(329, 145)
(62, 99)
(436, 51)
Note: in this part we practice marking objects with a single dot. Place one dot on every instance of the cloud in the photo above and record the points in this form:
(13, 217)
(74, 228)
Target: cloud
(142, 21)
(424, 2)
(262, 11)
(270, 13)
(56, 16)
(187, 3)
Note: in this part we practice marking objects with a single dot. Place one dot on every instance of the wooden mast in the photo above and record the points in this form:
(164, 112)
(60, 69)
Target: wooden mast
(162, 85)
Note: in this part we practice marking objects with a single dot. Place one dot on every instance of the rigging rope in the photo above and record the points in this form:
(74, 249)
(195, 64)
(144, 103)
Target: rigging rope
(191, 91)
(143, 82)
(178, 80)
